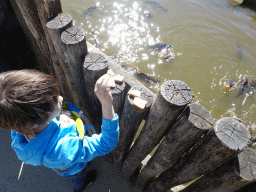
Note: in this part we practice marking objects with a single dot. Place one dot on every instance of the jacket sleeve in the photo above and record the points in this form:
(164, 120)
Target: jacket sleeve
(70, 150)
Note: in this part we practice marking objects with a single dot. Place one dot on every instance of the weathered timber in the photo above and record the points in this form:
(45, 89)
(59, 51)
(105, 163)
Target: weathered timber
(32, 16)
(181, 136)
(248, 188)
(213, 150)
(2, 12)
(171, 100)
(230, 177)
(130, 121)
(70, 46)
(95, 65)
(249, 3)
(75, 51)
(118, 94)
(55, 27)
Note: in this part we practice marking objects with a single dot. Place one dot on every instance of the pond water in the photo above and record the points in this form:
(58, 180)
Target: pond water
(213, 41)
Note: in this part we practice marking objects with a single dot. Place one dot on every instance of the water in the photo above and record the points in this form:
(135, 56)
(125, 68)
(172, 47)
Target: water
(213, 41)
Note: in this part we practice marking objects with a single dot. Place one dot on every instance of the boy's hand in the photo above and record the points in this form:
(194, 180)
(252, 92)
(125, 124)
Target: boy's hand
(102, 91)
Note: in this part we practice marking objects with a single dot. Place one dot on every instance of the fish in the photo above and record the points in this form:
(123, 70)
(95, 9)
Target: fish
(243, 84)
(165, 50)
(155, 4)
(140, 75)
(91, 9)
(229, 84)
(96, 40)
(159, 47)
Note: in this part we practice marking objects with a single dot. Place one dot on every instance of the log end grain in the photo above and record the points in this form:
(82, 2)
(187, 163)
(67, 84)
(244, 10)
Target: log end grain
(176, 92)
(245, 164)
(60, 21)
(73, 35)
(95, 62)
(232, 133)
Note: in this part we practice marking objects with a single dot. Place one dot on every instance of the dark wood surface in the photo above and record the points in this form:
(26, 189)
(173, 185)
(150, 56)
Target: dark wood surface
(230, 177)
(181, 136)
(212, 151)
(171, 100)
(68, 54)
(32, 17)
(132, 117)
(95, 65)
(55, 26)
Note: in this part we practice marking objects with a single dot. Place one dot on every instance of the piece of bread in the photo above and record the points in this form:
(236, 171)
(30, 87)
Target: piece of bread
(135, 93)
(119, 78)
(140, 103)
(110, 72)
(112, 81)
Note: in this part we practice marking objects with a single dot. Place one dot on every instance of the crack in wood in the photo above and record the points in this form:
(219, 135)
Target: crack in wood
(201, 117)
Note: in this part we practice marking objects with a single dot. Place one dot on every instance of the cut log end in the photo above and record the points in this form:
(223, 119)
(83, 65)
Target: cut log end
(95, 62)
(73, 35)
(232, 133)
(60, 21)
(176, 92)
(245, 164)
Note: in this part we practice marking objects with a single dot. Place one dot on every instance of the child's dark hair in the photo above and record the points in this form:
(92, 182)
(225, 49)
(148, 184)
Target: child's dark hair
(27, 97)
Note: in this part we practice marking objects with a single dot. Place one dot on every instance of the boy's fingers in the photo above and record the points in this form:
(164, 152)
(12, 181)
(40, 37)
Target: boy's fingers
(105, 80)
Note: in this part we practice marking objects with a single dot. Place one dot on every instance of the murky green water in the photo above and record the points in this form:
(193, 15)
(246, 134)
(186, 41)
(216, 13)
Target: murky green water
(213, 41)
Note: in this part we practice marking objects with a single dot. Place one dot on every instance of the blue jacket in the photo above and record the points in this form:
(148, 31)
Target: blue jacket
(59, 147)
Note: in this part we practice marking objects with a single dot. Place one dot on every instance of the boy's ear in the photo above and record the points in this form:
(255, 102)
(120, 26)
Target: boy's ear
(34, 126)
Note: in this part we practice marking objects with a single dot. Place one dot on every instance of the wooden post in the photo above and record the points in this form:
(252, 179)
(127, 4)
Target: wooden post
(129, 123)
(217, 147)
(187, 130)
(32, 16)
(70, 48)
(248, 188)
(171, 100)
(55, 27)
(118, 94)
(74, 53)
(95, 65)
(230, 177)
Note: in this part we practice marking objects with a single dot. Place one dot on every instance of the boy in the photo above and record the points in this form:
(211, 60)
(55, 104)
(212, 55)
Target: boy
(30, 103)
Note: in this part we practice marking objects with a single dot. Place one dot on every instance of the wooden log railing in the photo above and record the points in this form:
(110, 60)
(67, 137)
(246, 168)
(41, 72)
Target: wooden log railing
(233, 175)
(181, 136)
(170, 101)
(217, 147)
(129, 124)
(190, 143)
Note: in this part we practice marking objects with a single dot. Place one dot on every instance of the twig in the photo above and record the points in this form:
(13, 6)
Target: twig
(20, 170)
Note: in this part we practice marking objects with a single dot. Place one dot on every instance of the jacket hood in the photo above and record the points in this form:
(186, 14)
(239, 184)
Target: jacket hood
(32, 152)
